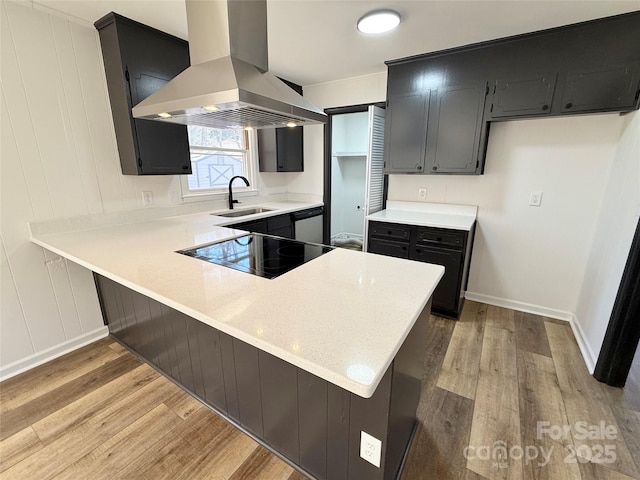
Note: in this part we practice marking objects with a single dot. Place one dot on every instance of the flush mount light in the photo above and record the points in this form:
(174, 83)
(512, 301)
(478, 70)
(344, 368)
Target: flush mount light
(211, 108)
(379, 21)
(164, 115)
(292, 124)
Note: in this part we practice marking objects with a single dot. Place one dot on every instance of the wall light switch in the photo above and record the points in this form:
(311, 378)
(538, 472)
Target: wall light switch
(422, 193)
(147, 198)
(370, 448)
(535, 199)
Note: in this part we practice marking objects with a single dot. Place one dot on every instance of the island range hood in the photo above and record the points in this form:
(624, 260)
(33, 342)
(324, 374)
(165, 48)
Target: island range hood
(228, 84)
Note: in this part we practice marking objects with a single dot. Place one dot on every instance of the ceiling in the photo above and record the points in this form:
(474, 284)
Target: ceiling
(314, 41)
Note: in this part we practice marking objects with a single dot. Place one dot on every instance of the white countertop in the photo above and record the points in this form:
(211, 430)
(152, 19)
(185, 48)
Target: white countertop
(456, 217)
(342, 316)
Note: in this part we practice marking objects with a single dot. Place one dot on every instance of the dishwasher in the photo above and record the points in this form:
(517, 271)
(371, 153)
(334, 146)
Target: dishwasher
(308, 224)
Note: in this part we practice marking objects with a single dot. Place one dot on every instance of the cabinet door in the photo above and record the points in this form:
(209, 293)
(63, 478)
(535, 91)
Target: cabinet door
(523, 96)
(406, 133)
(610, 88)
(290, 152)
(447, 291)
(455, 128)
(163, 148)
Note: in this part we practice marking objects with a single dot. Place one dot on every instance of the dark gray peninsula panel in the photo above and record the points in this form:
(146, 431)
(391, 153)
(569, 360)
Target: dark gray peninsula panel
(314, 425)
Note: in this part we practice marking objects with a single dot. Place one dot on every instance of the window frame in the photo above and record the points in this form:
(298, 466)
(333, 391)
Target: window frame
(239, 189)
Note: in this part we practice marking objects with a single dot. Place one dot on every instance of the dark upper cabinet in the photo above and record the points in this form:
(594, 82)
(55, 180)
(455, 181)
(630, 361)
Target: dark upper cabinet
(406, 133)
(138, 60)
(455, 127)
(281, 149)
(583, 68)
(529, 96)
(607, 88)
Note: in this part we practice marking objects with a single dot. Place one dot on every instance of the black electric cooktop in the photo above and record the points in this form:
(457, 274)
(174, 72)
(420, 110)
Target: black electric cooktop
(262, 255)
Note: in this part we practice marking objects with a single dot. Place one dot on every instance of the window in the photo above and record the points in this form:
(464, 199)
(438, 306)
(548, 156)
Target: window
(217, 155)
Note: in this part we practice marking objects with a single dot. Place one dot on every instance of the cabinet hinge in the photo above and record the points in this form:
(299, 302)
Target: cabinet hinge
(491, 108)
(126, 74)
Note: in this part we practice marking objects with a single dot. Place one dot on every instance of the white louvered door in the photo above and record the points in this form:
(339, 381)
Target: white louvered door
(374, 189)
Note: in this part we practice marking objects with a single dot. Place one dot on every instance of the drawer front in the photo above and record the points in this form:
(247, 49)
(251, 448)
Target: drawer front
(439, 237)
(279, 221)
(393, 231)
(389, 248)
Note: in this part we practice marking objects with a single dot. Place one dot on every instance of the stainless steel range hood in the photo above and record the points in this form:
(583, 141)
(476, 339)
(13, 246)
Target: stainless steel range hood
(227, 84)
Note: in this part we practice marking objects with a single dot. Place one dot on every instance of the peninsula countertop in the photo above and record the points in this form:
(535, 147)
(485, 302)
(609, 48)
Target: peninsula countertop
(342, 316)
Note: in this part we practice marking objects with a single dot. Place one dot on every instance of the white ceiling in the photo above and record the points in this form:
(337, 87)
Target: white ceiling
(314, 41)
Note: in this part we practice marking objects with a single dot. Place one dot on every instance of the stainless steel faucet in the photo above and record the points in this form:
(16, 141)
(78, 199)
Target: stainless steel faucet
(231, 200)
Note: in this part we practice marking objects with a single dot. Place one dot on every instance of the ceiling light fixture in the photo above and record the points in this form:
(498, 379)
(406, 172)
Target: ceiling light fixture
(164, 115)
(292, 124)
(379, 21)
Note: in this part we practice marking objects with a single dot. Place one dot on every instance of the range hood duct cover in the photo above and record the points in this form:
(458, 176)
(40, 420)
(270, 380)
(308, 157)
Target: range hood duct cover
(228, 74)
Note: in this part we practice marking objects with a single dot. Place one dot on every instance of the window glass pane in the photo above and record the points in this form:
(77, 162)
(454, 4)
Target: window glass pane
(213, 169)
(215, 137)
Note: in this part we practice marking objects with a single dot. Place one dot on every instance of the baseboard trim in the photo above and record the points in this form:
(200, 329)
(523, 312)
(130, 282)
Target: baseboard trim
(583, 345)
(585, 349)
(520, 306)
(32, 361)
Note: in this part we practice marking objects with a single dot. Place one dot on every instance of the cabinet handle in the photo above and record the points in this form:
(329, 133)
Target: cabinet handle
(545, 107)
(418, 250)
(404, 248)
(389, 232)
(419, 167)
(568, 105)
(435, 167)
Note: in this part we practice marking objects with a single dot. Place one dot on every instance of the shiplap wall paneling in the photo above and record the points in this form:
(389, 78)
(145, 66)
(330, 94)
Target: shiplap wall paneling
(37, 60)
(25, 260)
(15, 340)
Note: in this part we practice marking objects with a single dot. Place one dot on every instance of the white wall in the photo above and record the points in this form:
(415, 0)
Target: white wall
(531, 257)
(615, 227)
(351, 91)
(58, 159)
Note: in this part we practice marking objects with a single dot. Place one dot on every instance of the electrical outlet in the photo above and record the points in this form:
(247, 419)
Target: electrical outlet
(422, 193)
(535, 199)
(147, 198)
(370, 448)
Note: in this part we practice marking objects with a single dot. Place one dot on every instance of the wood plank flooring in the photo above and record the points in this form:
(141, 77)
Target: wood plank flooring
(490, 378)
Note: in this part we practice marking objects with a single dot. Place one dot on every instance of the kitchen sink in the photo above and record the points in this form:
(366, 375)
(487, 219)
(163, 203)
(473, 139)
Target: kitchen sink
(242, 213)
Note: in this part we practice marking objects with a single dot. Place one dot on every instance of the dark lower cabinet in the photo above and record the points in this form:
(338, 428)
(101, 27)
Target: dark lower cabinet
(449, 248)
(279, 225)
(312, 423)
(447, 294)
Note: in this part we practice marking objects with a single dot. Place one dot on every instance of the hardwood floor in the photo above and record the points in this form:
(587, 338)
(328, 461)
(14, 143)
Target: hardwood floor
(101, 413)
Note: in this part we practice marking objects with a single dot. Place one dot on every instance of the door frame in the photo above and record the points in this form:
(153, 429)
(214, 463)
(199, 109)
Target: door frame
(363, 107)
(623, 332)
